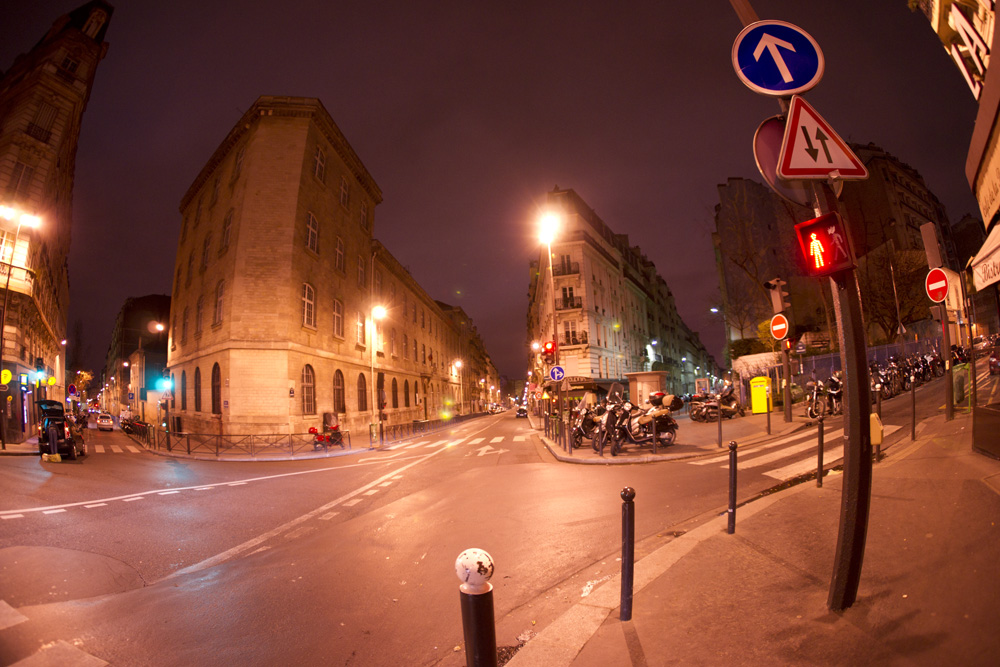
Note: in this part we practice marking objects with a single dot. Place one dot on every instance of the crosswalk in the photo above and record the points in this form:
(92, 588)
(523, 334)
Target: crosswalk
(453, 442)
(93, 448)
(789, 456)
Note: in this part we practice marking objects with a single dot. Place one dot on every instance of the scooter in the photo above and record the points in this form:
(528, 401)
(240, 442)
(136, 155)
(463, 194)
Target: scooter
(330, 438)
(816, 405)
(639, 424)
(584, 425)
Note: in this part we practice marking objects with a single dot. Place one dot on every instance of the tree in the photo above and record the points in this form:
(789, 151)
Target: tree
(892, 288)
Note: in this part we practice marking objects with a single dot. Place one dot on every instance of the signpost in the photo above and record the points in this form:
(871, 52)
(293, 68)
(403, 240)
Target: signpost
(779, 326)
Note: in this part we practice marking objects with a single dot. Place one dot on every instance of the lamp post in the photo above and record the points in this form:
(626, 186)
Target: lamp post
(549, 225)
(378, 312)
(33, 221)
(461, 386)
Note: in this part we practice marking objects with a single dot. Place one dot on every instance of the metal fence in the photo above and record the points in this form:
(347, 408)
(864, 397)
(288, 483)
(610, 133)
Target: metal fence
(275, 446)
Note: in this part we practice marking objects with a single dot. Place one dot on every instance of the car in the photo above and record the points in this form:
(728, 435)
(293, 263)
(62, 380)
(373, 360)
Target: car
(521, 412)
(105, 422)
(53, 427)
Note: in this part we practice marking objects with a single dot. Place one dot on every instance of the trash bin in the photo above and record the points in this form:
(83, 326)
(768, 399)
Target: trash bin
(960, 375)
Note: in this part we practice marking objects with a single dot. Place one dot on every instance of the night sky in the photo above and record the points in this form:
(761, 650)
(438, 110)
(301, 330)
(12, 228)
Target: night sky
(466, 113)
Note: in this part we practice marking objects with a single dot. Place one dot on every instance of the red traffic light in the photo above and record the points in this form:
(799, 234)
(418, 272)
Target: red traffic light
(825, 246)
(549, 347)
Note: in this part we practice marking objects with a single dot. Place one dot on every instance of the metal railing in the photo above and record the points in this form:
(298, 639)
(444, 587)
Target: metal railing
(565, 269)
(569, 303)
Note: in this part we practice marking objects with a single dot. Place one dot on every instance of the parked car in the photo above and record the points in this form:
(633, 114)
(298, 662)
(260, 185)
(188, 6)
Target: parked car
(105, 422)
(521, 412)
(53, 428)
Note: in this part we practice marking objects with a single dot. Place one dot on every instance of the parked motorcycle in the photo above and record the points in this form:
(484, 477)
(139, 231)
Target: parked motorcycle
(331, 437)
(639, 424)
(584, 421)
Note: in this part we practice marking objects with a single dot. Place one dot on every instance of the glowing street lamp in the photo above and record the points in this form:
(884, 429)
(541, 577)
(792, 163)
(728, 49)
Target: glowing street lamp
(548, 227)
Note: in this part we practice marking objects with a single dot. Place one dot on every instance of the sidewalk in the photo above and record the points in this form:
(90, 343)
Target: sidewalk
(693, 439)
(929, 592)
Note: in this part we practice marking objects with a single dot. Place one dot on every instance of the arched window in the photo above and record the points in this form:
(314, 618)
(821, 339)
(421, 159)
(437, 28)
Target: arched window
(406, 393)
(308, 390)
(197, 390)
(216, 390)
(184, 390)
(362, 393)
(395, 392)
(339, 402)
(308, 305)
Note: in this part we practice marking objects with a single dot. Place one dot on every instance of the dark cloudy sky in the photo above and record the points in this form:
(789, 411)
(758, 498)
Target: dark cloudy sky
(466, 113)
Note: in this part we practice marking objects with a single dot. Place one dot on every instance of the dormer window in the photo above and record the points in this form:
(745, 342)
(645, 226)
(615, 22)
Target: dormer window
(97, 19)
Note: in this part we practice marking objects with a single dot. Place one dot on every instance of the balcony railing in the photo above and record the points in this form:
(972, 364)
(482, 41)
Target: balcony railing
(565, 269)
(574, 339)
(569, 303)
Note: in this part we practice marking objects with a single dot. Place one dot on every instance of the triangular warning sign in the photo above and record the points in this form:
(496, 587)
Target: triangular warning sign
(811, 149)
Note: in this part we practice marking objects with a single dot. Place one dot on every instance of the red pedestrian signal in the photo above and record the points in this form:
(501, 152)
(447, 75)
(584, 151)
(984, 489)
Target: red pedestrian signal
(826, 248)
(549, 351)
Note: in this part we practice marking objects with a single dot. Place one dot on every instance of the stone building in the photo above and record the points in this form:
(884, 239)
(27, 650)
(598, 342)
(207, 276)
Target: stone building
(42, 100)
(609, 310)
(274, 322)
(139, 336)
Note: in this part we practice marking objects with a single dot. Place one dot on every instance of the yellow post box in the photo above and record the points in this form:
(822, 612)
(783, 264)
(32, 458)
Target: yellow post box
(760, 396)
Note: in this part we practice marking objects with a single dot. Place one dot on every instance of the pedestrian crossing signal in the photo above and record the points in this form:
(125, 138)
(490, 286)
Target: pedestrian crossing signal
(826, 248)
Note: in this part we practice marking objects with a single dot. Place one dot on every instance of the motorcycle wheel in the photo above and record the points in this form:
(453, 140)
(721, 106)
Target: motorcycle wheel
(577, 439)
(668, 436)
(616, 445)
(743, 412)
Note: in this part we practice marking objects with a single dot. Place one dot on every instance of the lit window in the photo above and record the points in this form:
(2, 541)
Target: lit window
(345, 193)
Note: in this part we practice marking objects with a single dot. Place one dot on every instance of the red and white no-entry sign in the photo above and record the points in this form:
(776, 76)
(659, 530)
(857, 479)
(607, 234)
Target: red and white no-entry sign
(936, 285)
(779, 326)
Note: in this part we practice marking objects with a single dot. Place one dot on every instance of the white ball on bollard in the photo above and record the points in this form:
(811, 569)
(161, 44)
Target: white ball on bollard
(474, 568)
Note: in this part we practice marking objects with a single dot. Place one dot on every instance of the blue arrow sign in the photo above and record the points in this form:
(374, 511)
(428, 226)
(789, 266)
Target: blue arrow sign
(557, 373)
(777, 58)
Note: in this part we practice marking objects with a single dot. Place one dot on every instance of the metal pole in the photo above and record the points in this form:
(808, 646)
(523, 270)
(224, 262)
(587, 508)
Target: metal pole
(819, 454)
(475, 568)
(949, 378)
(718, 409)
(628, 552)
(768, 410)
(731, 527)
(913, 407)
(786, 392)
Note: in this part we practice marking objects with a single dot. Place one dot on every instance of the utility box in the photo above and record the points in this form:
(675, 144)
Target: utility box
(875, 426)
(760, 395)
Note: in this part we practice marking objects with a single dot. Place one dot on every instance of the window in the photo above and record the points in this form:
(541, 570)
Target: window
(184, 390)
(215, 191)
(406, 393)
(216, 390)
(319, 165)
(198, 312)
(220, 290)
(197, 390)
(173, 397)
(173, 333)
(414, 349)
(308, 390)
(308, 306)
(312, 233)
(378, 284)
(362, 393)
(204, 251)
(379, 341)
(360, 329)
(197, 213)
(20, 181)
(40, 126)
(423, 350)
(184, 324)
(339, 404)
(406, 346)
(395, 393)
(338, 318)
(338, 255)
(345, 193)
(423, 319)
(364, 216)
(187, 283)
(392, 342)
(227, 231)
(68, 67)
(238, 164)
(361, 272)
(414, 313)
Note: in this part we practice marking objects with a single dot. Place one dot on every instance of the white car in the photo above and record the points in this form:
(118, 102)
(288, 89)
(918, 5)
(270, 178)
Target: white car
(105, 422)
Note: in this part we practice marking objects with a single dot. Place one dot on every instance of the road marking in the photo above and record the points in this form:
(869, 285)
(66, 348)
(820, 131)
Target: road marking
(389, 483)
(96, 505)
(98, 449)
(12, 516)
(329, 515)
(788, 451)
(352, 503)
(725, 457)
(204, 488)
(128, 500)
(167, 493)
(371, 492)
(236, 484)
(499, 438)
(476, 441)
(398, 477)
(53, 511)
(519, 438)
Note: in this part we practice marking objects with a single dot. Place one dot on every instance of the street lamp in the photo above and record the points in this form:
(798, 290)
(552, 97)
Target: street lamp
(548, 226)
(378, 313)
(33, 221)
(461, 386)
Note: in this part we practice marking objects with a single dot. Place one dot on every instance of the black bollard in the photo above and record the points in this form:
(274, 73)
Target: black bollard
(628, 551)
(819, 454)
(719, 410)
(475, 568)
(731, 528)
(768, 411)
(878, 400)
(654, 435)
(913, 405)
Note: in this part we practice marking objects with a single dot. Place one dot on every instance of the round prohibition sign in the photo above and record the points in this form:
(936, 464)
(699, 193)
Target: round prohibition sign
(779, 326)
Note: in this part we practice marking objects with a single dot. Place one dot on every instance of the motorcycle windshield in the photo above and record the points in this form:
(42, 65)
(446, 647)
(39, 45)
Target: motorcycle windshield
(617, 393)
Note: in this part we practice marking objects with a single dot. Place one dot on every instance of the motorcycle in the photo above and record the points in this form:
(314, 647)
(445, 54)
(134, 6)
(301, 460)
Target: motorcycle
(816, 405)
(639, 424)
(329, 438)
(726, 402)
(834, 395)
(584, 423)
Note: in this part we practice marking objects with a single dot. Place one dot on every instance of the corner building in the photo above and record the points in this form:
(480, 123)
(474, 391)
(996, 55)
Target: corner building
(276, 278)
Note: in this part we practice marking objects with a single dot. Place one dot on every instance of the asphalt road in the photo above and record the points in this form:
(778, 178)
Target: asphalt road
(144, 560)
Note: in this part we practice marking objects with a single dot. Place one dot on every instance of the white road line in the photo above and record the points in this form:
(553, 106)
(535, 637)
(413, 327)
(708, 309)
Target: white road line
(499, 438)
(789, 451)
(12, 516)
(53, 511)
(519, 438)
(204, 488)
(398, 477)
(416, 444)
(236, 484)
(476, 441)
(167, 493)
(128, 500)
(329, 515)
(98, 449)
(134, 450)
(383, 484)
(352, 503)
(725, 457)
(90, 507)
(371, 492)
(809, 464)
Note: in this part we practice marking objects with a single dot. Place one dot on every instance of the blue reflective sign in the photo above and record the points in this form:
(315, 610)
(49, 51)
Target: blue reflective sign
(777, 58)
(557, 373)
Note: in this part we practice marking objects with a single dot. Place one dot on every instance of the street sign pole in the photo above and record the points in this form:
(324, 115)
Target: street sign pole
(786, 396)
(856, 494)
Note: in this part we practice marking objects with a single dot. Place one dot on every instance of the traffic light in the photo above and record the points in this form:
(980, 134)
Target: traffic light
(779, 296)
(549, 351)
(825, 246)
(786, 344)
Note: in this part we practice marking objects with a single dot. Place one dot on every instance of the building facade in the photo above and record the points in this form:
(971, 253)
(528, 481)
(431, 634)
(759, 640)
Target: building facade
(606, 306)
(139, 337)
(42, 100)
(286, 312)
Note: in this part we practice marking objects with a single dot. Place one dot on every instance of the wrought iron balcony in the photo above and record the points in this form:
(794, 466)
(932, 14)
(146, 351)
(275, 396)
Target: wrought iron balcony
(565, 269)
(569, 303)
(575, 339)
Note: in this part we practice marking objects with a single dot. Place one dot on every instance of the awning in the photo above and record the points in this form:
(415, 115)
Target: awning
(986, 263)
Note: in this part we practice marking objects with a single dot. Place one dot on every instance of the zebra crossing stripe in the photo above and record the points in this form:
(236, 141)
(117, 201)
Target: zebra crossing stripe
(98, 449)
(476, 441)
(806, 465)
(790, 451)
(499, 438)
(519, 438)
(725, 457)
(132, 449)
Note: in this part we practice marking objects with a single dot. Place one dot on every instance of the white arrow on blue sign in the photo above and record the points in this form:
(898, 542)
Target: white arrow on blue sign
(557, 373)
(777, 58)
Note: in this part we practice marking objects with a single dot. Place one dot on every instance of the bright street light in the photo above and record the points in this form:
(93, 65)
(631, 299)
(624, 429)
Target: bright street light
(548, 226)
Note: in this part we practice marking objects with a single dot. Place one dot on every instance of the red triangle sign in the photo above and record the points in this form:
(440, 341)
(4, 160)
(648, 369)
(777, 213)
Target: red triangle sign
(811, 149)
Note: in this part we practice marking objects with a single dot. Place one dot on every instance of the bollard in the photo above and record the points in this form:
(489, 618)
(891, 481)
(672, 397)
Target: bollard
(819, 455)
(913, 405)
(731, 528)
(719, 410)
(768, 411)
(628, 551)
(878, 400)
(475, 568)
(654, 436)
